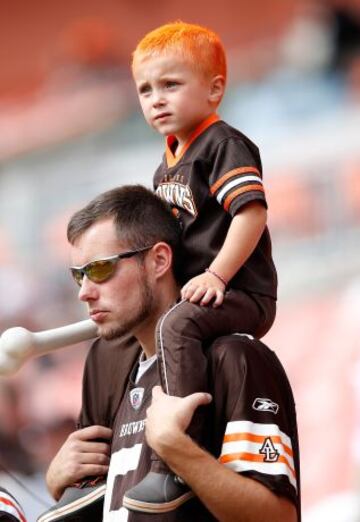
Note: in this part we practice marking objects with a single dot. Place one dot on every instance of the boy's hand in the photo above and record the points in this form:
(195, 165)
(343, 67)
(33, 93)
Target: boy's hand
(204, 288)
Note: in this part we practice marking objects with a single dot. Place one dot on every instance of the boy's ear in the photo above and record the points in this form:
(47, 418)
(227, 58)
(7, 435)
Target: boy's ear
(217, 88)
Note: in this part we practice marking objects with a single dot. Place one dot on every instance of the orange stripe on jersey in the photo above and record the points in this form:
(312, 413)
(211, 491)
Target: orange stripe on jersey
(232, 174)
(233, 437)
(250, 457)
(7, 502)
(172, 160)
(233, 195)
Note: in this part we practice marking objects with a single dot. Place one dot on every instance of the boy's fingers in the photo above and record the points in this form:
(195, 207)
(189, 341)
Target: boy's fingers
(189, 291)
(209, 295)
(197, 294)
(219, 298)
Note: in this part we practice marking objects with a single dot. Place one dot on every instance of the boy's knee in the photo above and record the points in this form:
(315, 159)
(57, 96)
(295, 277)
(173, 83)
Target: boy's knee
(178, 319)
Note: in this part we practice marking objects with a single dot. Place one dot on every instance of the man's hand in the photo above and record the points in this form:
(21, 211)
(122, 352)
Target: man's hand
(168, 418)
(80, 456)
(229, 496)
(205, 288)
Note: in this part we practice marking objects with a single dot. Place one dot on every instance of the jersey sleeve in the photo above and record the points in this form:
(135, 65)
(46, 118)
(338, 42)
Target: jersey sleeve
(236, 177)
(10, 508)
(106, 371)
(259, 430)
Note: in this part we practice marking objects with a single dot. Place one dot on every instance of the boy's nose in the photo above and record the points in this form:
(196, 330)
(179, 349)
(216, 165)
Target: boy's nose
(158, 99)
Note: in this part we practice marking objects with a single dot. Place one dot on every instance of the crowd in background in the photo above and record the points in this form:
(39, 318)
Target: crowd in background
(297, 94)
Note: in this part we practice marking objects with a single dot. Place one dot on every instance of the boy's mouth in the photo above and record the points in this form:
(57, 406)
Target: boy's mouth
(161, 116)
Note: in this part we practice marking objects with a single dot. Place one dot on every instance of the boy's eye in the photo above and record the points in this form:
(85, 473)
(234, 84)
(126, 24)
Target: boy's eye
(171, 83)
(144, 89)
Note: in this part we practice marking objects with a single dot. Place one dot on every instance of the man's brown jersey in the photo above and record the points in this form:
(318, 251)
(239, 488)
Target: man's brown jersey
(252, 428)
(217, 172)
(131, 458)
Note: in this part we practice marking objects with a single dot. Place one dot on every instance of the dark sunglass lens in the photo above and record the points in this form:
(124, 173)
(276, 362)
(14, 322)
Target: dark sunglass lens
(100, 271)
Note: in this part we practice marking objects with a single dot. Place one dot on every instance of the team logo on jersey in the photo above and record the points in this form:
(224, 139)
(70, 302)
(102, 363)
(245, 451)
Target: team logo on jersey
(263, 404)
(177, 194)
(269, 451)
(136, 397)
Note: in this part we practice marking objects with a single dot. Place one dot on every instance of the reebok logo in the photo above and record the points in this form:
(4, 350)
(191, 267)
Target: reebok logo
(263, 404)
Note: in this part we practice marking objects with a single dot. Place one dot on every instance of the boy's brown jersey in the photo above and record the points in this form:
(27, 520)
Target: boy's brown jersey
(216, 174)
(252, 429)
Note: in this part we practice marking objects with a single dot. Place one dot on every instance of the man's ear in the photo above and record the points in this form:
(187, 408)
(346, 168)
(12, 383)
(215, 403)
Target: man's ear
(217, 88)
(160, 258)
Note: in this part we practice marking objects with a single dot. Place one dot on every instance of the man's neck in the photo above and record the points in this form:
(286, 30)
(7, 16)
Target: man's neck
(145, 334)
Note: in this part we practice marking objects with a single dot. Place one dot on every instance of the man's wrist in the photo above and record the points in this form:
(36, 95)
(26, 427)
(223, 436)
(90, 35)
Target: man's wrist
(55, 490)
(171, 443)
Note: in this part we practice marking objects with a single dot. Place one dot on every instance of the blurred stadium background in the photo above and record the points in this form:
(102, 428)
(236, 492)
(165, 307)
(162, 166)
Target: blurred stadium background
(70, 127)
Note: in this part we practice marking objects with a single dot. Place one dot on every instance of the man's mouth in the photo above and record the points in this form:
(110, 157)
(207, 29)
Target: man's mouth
(97, 315)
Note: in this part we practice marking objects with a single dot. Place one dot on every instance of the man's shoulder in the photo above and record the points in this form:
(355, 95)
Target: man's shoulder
(124, 348)
(243, 342)
(251, 351)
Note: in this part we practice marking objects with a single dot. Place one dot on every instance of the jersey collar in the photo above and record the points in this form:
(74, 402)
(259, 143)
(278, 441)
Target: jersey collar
(171, 159)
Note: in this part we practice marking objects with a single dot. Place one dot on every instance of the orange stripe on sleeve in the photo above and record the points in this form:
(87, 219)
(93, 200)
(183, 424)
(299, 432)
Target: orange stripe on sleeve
(233, 437)
(250, 457)
(233, 195)
(12, 505)
(231, 174)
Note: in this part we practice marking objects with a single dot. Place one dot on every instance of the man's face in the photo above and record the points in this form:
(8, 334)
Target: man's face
(124, 302)
(174, 97)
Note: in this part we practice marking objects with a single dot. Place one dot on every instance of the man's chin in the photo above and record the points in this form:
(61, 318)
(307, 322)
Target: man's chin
(110, 333)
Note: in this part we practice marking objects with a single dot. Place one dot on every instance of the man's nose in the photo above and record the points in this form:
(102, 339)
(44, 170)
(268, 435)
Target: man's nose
(88, 290)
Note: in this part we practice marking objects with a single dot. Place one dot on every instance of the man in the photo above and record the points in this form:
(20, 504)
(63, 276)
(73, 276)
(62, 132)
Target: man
(125, 252)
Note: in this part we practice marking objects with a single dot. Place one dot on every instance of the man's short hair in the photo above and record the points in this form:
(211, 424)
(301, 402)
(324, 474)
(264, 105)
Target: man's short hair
(200, 46)
(141, 218)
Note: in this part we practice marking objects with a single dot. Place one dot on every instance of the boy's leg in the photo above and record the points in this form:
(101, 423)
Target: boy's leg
(181, 335)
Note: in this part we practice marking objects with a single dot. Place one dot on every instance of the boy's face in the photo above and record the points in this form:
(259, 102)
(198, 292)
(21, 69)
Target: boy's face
(174, 97)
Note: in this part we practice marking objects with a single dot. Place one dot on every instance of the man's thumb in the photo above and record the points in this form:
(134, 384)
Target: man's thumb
(198, 399)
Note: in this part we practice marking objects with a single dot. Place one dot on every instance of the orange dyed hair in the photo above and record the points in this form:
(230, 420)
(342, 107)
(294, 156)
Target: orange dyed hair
(197, 44)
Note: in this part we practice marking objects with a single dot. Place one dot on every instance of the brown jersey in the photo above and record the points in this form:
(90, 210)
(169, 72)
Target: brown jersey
(254, 425)
(252, 428)
(131, 458)
(216, 174)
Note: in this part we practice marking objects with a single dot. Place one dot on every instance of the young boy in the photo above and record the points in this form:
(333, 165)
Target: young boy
(212, 177)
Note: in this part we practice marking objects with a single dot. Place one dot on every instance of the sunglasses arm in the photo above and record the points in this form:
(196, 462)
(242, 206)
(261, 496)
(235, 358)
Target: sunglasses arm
(19, 344)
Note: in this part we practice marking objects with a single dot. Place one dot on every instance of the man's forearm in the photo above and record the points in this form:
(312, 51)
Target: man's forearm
(229, 496)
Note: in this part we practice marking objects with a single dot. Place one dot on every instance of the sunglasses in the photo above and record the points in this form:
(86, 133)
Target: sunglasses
(101, 270)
